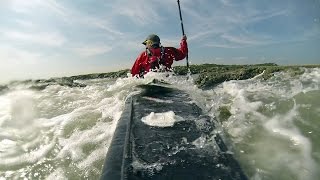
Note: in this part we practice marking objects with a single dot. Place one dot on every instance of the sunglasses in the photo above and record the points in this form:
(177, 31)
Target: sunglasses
(148, 42)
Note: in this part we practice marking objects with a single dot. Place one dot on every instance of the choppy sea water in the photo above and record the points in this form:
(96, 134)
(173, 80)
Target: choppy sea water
(64, 132)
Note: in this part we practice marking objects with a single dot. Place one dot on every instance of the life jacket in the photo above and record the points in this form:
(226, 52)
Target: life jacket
(157, 64)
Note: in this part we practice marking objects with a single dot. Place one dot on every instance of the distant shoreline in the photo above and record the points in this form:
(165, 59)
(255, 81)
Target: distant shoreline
(208, 74)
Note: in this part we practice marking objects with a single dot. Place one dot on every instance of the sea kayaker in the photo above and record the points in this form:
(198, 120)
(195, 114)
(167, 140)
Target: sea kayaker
(156, 57)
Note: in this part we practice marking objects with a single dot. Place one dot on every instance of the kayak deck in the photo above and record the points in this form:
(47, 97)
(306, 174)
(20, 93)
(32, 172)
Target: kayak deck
(186, 149)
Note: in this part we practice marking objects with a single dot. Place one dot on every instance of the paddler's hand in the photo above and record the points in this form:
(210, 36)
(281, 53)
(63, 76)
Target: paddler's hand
(184, 37)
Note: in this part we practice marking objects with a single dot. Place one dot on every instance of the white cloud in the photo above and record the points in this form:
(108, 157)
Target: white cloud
(222, 45)
(227, 25)
(41, 38)
(15, 57)
(100, 23)
(17, 63)
(32, 6)
(239, 58)
(134, 46)
(199, 35)
(68, 14)
(263, 15)
(25, 24)
(226, 2)
(241, 39)
(21, 6)
(91, 50)
(175, 42)
(141, 12)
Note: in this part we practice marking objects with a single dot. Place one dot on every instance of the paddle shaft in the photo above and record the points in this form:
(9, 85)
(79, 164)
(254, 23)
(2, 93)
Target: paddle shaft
(181, 21)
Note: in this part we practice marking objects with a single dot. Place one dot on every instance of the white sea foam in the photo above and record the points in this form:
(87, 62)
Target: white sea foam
(59, 122)
(200, 142)
(165, 119)
(262, 122)
(58, 174)
(283, 125)
(151, 168)
(158, 100)
(27, 158)
(71, 128)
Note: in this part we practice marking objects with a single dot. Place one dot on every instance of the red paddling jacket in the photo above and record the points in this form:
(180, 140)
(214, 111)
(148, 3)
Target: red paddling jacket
(152, 58)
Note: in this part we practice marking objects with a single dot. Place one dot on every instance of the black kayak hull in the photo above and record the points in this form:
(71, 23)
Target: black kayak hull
(188, 149)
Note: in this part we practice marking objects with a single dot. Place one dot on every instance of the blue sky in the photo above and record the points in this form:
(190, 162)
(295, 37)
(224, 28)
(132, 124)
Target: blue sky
(50, 38)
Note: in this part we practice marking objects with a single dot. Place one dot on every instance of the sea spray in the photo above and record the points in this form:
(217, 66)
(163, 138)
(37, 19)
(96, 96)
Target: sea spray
(264, 125)
(63, 132)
